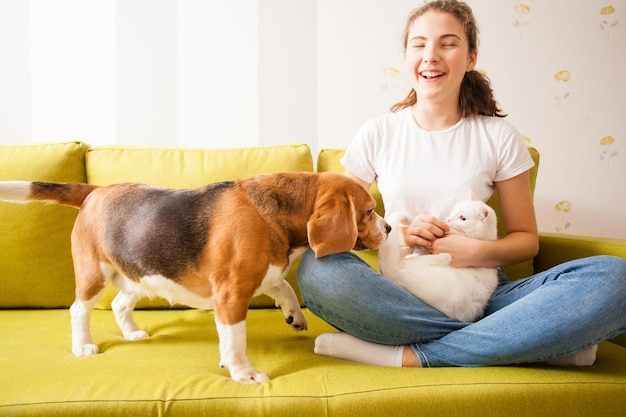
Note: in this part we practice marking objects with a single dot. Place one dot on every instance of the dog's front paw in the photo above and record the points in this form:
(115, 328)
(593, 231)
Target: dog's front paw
(249, 376)
(245, 374)
(136, 335)
(297, 320)
(87, 349)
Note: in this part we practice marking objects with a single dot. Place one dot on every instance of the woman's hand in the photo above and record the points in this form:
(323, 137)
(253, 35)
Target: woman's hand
(424, 230)
(464, 250)
(432, 233)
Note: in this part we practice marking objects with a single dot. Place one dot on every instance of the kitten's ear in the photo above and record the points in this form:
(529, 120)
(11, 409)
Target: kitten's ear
(484, 214)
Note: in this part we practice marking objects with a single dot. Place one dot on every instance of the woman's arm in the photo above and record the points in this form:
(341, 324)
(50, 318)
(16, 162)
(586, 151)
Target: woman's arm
(520, 243)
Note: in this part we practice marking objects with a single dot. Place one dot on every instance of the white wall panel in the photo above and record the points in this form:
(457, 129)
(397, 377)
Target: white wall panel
(73, 70)
(288, 72)
(15, 101)
(218, 73)
(146, 72)
(357, 40)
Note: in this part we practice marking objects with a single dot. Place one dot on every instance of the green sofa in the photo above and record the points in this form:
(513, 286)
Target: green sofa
(175, 372)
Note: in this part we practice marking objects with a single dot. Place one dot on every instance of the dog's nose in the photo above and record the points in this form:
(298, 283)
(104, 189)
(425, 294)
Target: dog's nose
(388, 229)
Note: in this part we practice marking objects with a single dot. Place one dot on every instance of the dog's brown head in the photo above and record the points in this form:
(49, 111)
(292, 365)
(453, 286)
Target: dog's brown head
(344, 217)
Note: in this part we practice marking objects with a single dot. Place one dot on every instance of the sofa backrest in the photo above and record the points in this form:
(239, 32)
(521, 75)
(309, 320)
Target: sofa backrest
(329, 160)
(36, 268)
(189, 168)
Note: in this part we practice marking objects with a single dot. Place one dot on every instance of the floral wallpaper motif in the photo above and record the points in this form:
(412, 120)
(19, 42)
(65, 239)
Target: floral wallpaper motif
(521, 21)
(608, 21)
(391, 75)
(582, 136)
(608, 151)
(390, 83)
(562, 77)
(563, 207)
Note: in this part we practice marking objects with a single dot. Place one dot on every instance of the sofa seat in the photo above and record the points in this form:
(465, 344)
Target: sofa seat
(176, 372)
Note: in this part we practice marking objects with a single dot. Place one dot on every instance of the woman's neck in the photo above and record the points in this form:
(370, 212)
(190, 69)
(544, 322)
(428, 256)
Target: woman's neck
(435, 118)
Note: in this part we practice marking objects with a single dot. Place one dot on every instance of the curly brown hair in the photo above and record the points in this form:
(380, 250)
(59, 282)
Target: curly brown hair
(476, 95)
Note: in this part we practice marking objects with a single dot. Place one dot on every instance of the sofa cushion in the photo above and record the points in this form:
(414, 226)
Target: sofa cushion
(175, 373)
(329, 160)
(35, 258)
(189, 168)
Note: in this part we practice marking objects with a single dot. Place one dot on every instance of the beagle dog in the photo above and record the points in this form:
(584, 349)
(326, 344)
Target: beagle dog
(213, 247)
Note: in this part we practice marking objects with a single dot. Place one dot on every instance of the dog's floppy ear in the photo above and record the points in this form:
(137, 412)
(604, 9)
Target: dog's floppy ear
(332, 227)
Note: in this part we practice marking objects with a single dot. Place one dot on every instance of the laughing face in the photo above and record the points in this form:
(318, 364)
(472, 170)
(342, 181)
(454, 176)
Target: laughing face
(437, 57)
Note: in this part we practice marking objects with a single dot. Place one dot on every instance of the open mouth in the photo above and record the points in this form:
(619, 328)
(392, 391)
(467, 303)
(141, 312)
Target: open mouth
(431, 75)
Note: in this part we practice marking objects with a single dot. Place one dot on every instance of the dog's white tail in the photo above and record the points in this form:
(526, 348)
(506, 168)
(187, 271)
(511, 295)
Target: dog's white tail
(66, 193)
(15, 191)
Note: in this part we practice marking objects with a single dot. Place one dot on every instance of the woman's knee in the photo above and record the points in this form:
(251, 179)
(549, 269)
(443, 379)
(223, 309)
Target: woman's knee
(605, 275)
(325, 278)
(608, 267)
(615, 268)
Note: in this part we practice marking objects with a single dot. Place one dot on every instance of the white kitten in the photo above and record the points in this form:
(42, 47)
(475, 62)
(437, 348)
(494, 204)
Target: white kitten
(460, 293)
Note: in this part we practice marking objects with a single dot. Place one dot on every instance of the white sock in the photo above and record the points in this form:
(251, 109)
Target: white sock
(586, 357)
(344, 346)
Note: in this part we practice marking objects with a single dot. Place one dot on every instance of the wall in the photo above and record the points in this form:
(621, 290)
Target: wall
(239, 73)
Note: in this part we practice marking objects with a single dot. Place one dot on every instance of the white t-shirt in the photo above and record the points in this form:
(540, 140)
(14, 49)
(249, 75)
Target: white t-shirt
(422, 172)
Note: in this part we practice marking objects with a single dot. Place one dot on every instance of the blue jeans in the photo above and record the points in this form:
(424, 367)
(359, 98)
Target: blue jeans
(555, 313)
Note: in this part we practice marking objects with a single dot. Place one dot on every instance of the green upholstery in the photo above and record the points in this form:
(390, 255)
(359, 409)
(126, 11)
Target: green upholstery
(175, 372)
(35, 260)
(189, 168)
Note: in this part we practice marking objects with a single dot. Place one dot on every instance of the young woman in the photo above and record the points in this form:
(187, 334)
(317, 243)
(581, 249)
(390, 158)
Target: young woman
(449, 135)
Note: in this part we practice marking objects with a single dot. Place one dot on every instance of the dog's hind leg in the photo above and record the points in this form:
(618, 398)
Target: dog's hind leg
(231, 308)
(88, 291)
(286, 299)
(90, 284)
(233, 346)
(80, 312)
(123, 305)
(91, 280)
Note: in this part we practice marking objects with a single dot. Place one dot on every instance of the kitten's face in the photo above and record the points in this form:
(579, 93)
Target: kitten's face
(473, 219)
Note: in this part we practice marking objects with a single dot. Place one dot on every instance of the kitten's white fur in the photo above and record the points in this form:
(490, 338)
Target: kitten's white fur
(460, 293)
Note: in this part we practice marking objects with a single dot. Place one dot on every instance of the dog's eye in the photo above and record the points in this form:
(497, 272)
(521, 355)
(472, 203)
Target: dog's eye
(369, 212)
(462, 218)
